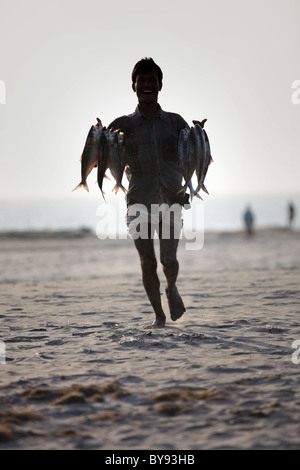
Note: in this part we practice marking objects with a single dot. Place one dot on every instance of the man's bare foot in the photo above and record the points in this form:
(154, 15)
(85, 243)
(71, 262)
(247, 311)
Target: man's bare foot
(176, 305)
(159, 323)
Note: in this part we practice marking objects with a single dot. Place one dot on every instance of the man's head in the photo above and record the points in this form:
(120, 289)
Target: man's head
(147, 80)
(145, 66)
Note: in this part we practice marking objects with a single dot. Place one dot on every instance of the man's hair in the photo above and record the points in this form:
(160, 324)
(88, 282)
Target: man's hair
(144, 66)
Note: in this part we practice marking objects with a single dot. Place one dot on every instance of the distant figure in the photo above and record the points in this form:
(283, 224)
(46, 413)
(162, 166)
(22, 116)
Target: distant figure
(249, 219)
(291, 214)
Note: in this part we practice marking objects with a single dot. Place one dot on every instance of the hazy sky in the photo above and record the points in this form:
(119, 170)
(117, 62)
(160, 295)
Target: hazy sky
(66, 62)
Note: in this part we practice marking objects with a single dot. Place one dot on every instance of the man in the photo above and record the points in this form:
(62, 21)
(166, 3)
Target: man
(249, 220)
(151, 137)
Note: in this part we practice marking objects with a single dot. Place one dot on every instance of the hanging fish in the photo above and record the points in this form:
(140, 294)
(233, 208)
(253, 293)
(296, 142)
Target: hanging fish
(89, 157)
(116, 158)
(102, 159)
(203, 138)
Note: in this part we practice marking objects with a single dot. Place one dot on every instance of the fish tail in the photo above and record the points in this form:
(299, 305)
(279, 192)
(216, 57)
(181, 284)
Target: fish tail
(197, 189)
(117, 187)
(182, 190)
(195, 194)
(82, 185)
(204, 189)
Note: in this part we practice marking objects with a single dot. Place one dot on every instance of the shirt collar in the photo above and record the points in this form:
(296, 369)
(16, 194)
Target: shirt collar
(159, 113)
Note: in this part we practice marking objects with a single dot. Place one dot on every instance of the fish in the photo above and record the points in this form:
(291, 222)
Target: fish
(102, 162)
(116, 158)
(89, 157)
(201, 152)
(187, 152)
(182, 151)
(207, 156)
(193, 154)
(122, 148)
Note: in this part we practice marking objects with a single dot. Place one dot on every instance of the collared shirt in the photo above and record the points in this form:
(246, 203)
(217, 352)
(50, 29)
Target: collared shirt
(152, 155)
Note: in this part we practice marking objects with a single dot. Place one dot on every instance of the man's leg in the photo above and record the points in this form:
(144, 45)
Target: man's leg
(151, 283)
(168, 251)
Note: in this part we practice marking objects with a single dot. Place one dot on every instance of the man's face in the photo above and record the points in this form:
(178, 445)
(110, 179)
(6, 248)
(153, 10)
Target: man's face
(147, 87)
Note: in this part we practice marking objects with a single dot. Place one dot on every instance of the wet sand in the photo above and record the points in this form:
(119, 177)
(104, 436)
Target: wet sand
(83, 371)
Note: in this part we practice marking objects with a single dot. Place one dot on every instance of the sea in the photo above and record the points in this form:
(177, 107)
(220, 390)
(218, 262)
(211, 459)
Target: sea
(215, 213)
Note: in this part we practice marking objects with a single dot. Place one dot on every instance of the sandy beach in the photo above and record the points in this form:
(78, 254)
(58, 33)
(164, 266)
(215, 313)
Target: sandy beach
(83, 370)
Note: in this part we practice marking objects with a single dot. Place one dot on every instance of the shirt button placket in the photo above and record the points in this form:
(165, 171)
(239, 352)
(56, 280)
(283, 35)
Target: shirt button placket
(154, 141)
